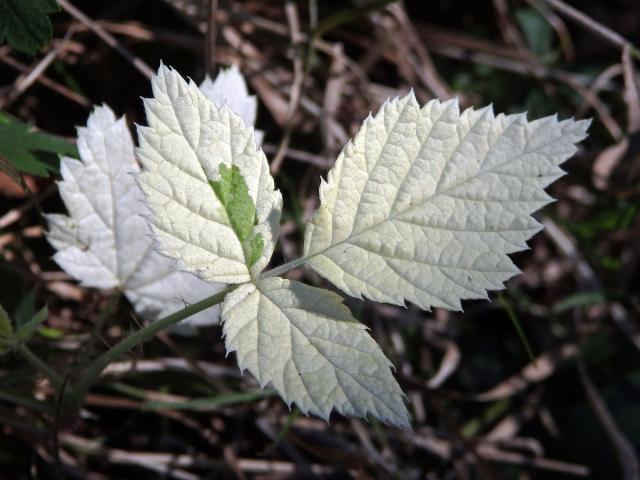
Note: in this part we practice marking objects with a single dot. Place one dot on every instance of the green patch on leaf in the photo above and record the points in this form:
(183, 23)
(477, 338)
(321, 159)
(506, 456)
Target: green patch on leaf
(233, 193)
(31, 152)
(255, 249)
(25, 24)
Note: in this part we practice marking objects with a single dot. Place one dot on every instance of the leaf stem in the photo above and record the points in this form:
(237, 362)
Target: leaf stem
(516, 324)
(112, 303)
(93, 371)
(284, 268)
(25, 402)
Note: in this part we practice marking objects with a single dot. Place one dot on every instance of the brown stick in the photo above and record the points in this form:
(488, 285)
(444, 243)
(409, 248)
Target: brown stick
(47, 82)
(605, 32)
(624, 448)
(299, 74)
(109, 39)
(210, 37)
(24, 81)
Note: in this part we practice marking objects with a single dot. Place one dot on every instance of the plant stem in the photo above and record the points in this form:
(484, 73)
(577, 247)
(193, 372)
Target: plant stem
(516, 324)
(40, 365)
(598, 28)
(284, 268)
(25, 402)
(93, 371)
(112, 302)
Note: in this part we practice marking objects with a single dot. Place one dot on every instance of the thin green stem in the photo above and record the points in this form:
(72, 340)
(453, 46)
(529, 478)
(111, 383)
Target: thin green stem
(516, 324)
(93, 371)
(37, 363)
(284, 268)
(25, 402)
(112, 302)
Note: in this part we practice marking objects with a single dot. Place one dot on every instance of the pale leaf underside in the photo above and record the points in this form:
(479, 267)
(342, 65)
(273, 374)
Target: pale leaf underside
(104, 241)
(187, 139)
(425, 204)
(305, 342)
(230, 88)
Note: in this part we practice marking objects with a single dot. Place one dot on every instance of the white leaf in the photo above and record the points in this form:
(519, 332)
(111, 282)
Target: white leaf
(305, 342)
(425, 204)
(230, 88)
(105, 242)
(187, 139)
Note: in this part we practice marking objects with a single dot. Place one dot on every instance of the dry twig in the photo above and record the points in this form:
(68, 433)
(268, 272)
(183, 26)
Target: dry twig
(109, 39)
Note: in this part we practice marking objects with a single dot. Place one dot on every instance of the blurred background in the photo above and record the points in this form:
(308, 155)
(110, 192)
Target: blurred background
(541, 382)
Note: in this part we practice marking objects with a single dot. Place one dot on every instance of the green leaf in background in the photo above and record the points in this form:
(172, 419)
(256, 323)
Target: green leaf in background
(538, 104)
(25, 24)
(537, 32)
(6, 330)
(580, 299)
(31, 152)
(25, 310)
(5, 324)
(27, 330)
(620, 216)
(51, 333)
